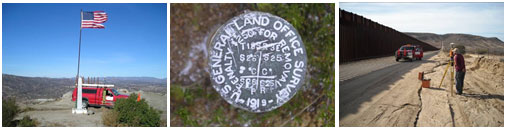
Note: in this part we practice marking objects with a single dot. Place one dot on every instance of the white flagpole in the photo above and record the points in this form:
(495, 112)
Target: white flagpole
(79, 54)
(79, 103)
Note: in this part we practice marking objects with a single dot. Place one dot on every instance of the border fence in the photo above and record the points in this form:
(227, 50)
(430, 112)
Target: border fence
(360, 38)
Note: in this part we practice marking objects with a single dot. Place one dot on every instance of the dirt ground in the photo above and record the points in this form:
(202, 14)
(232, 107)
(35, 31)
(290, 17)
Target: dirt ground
(387, 93)
(58, 112)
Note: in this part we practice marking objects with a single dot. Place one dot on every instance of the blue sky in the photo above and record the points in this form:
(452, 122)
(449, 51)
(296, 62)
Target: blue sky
(41, 40)
(483, 19)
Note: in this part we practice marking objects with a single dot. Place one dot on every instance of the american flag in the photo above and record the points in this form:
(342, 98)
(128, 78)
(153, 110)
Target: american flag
(93, 19)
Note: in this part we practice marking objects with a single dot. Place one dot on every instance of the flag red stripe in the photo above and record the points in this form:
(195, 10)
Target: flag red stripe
(98, 18)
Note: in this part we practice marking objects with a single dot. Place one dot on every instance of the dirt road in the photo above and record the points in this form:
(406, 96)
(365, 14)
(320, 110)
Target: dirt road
(386, 93)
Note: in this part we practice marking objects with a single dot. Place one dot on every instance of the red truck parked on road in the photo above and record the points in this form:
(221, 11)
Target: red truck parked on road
(98, 96)
(410, 52)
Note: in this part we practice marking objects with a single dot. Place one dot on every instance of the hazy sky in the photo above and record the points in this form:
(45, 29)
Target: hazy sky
(42, 40)
(483, 19)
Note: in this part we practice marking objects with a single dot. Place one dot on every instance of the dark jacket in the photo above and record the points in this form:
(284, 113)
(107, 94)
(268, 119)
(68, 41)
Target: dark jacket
(460, 64)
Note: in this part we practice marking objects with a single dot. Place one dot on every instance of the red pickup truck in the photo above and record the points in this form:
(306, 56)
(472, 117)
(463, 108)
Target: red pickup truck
(98, 96)
(410, 52)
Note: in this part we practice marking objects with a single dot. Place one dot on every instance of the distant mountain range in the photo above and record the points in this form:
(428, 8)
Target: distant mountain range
(471, 42)
(24, 88)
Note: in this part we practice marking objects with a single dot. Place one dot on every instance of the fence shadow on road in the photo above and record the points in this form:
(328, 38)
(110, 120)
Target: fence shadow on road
(353, 93)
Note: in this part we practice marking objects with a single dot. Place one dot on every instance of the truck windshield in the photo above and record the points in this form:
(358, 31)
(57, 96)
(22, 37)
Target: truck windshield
(115, 92)
(407, 48)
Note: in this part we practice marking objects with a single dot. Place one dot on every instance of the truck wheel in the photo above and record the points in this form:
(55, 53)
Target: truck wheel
(397, 59)
(410, 60)
(85, 104)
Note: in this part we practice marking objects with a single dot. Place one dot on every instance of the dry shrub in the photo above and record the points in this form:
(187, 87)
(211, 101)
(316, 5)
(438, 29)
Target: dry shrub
(28, 122)
(9, 111)
(130, 112)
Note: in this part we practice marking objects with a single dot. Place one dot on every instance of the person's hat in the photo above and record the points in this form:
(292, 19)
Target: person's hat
(455, 50)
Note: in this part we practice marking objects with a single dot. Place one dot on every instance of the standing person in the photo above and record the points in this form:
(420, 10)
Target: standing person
(460, 68)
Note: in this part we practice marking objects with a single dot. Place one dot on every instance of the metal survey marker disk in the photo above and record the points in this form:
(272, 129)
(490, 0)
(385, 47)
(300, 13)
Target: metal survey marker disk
(258, 61)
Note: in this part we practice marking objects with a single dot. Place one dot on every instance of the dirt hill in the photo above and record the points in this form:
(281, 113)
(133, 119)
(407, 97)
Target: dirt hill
(34, 87)
(472, 43)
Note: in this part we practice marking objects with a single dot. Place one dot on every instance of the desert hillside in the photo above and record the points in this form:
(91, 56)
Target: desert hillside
(49, 88)
(472, 43)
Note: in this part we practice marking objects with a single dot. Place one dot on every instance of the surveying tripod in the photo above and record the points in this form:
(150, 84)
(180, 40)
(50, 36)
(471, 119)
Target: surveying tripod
(450, 63)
